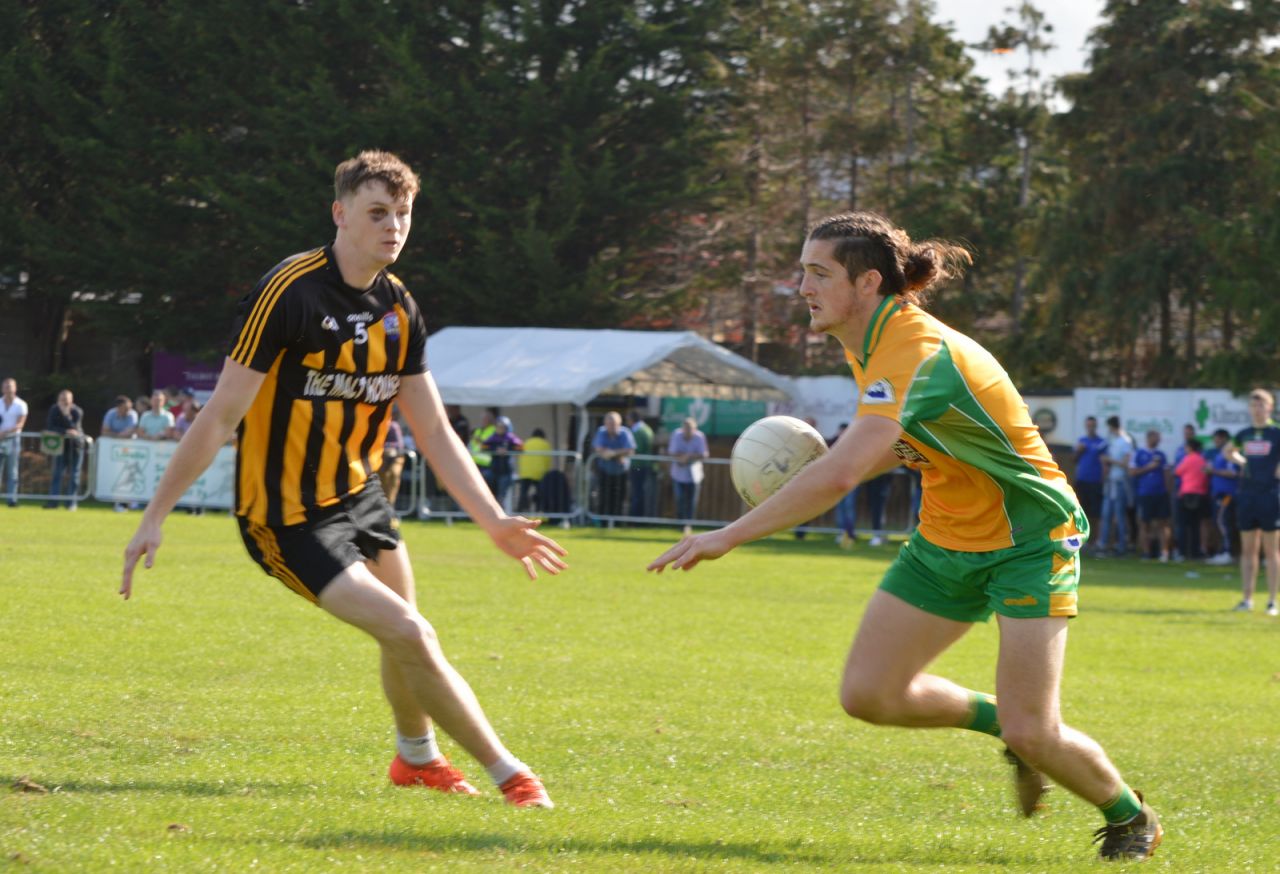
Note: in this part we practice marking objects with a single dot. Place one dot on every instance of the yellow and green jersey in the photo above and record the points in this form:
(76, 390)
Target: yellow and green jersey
(988, 479)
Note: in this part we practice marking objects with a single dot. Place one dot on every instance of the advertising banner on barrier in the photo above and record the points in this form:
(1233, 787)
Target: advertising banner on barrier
(129, 470)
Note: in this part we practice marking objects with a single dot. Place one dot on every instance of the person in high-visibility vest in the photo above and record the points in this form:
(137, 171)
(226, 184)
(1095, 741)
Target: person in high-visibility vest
(481, 456)
(531, 467)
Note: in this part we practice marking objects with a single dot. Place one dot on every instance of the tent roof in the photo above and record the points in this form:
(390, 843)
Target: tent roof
(518, 366)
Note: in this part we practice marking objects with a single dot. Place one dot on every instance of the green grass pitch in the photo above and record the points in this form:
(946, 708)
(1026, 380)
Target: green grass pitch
(683, 722)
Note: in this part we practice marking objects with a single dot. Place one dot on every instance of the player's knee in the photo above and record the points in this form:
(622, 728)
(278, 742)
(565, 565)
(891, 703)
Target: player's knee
(867, 702)
(411, 638)
(1029, 738)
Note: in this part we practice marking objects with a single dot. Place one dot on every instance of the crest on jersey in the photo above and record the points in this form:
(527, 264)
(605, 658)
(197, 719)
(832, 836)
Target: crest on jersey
(879, 392)
(329, 323)
(391, 324)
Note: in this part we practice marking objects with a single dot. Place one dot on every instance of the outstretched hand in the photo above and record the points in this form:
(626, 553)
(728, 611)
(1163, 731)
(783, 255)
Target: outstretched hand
(146, 541)
(692, 549)
(519, 538)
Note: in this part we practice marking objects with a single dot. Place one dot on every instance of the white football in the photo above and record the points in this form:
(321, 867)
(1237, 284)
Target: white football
(769, 453)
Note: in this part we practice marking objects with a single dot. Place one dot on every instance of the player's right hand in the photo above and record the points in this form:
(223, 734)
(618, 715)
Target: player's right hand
(146, 541)
(519, 538)
(692, 549)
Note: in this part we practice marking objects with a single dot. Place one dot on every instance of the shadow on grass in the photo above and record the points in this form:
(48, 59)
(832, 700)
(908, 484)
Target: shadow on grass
(676, 849)
(191, 788)
(399, 840)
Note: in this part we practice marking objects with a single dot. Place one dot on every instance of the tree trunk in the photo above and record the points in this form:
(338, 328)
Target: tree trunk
(1189, 355)
(48, 320)
(1165, 358)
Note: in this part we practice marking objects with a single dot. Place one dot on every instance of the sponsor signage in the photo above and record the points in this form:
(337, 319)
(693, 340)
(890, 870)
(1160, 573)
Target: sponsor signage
(714, 418)
(1166, 411)
(130, 470)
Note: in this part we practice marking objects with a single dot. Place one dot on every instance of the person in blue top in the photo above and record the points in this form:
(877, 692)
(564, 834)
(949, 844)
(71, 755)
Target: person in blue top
(1224, 474)
(613, 446)
(1148, 469)
(1257, 451)
(1088, 477)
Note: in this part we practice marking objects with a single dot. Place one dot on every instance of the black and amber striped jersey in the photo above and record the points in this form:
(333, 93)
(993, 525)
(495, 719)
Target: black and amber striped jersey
(333, 356)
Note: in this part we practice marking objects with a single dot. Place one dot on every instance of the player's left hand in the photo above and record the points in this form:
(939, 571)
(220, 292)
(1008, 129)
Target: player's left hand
(692, 549)
(519, 538)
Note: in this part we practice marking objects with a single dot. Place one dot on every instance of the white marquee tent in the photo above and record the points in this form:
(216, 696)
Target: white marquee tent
(551, 368)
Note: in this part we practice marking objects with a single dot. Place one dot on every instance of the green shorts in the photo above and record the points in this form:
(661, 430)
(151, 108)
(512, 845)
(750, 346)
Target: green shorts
(1031, 580)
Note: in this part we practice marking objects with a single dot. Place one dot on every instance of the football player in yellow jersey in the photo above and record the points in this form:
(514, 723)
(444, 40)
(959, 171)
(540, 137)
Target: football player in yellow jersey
(327, 342)
(1000, 529)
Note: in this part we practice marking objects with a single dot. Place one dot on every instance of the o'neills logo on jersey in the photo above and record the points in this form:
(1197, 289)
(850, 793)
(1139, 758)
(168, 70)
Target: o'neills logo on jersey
(360, 317)
(348, 387)
(879, 392)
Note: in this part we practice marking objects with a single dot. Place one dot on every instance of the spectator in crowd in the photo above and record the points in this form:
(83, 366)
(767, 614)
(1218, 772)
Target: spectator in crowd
(157, 423)
(459, 422)
(877, 491)
(1115, 495)
(1222, 487)
(393, 453)
(799, 530)
(501, 445)
(173, 400)
(120, 421)
(1257, 451)
(13, 418)
(67, 419)
(1088, 478)
(190, 407)
(141, 404)
(1193, 497)
(687, 448)
(482, 457)
(613, 446)
(1149, 468)
(533, 464)
(847, 507)
(1179, 453)
(644, 474)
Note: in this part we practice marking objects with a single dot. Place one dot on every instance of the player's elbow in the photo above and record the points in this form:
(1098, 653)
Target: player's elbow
(844, 480)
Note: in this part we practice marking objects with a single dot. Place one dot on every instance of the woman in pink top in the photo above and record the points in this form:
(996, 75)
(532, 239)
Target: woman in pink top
(1193, 497)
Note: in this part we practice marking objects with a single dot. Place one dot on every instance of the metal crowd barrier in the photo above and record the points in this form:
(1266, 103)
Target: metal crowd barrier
(718, 502)
(36, 468)
(431, 501)
(420, 496)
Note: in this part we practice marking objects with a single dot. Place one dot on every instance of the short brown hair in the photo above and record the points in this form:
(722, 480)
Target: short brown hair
(372, 165)
(865, 240)
(1263, 395)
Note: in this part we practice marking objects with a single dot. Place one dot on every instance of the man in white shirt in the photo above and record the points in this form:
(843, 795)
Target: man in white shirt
(13, 416)
(1115, 490)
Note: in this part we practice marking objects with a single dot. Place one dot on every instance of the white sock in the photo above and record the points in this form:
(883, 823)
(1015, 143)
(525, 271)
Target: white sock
(505, 768)
(418, 750)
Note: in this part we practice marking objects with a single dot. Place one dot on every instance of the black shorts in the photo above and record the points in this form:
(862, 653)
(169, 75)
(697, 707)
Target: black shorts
(307, 557)
(1257, 510)
(1153, 507)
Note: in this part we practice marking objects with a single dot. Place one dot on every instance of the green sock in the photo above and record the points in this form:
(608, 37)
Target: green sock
(1124, 807)
(982, 714)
